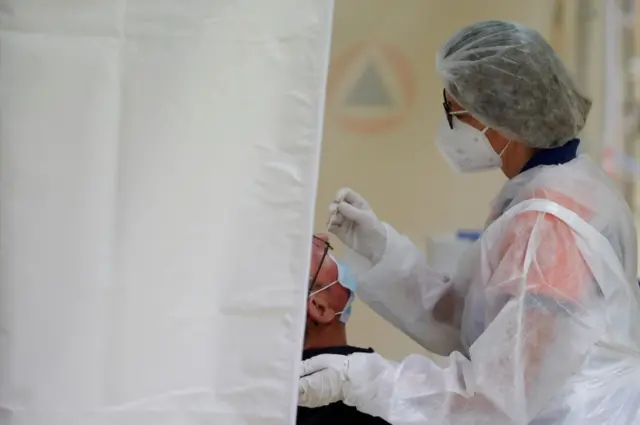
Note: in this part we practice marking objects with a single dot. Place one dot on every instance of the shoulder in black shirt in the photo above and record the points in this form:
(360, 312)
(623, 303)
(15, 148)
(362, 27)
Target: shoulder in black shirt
(336, 413)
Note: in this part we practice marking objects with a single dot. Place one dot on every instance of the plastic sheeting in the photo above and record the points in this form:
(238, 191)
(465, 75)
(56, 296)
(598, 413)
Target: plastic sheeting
(158, 167)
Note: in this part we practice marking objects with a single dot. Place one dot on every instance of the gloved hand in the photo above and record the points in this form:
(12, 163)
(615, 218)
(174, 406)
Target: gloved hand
(362, 380)
(322, 380)
(353, 221)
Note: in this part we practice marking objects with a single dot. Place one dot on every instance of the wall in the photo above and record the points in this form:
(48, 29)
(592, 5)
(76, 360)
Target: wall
(387, 152)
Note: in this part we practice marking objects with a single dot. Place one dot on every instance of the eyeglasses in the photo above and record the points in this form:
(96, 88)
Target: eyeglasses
(326, 247)
(447, 108)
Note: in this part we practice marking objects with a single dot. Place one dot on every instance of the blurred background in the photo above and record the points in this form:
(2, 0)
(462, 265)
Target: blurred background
(384, 102)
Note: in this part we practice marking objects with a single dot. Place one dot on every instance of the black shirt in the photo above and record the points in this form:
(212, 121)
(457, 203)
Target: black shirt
(335, 413)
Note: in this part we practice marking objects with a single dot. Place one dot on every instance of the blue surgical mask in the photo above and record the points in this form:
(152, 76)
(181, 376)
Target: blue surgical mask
(348, 281)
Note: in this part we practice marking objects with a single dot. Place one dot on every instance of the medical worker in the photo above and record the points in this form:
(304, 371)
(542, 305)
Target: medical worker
(540, 325)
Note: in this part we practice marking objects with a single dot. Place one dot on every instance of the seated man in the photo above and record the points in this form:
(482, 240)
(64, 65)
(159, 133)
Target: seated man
(331, 292)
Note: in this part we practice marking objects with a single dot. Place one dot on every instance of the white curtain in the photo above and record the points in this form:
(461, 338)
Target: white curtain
(158, 169)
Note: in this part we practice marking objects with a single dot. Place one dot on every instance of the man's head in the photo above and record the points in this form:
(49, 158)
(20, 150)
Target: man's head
(329, 301)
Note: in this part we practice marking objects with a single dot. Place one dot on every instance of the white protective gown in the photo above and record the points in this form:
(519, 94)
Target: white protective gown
(541, 324)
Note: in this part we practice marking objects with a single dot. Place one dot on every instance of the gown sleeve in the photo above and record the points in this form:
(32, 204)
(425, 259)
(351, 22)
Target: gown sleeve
(406, 292)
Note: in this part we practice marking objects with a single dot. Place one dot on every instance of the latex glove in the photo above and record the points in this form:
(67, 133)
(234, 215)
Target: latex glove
(322, 380)
(362, 380)
(353, 221)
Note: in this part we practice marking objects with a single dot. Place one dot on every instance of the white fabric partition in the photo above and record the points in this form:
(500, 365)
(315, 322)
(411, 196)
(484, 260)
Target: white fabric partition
(158, 167)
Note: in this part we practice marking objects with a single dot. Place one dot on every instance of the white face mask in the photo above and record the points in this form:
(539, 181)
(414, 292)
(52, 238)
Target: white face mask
(467, 149)
(347, 280)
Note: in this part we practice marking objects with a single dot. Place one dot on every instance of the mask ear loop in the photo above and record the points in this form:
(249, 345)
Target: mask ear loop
(326, 287)
(346, 306)
(322, 289)
(484, 131)
(505, 147)
(318, 291)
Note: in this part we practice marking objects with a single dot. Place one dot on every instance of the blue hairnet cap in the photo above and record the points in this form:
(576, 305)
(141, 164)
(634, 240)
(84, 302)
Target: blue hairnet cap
(348, 281)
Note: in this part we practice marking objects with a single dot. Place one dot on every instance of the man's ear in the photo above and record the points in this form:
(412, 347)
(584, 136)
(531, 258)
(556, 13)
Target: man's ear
(319, 310)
